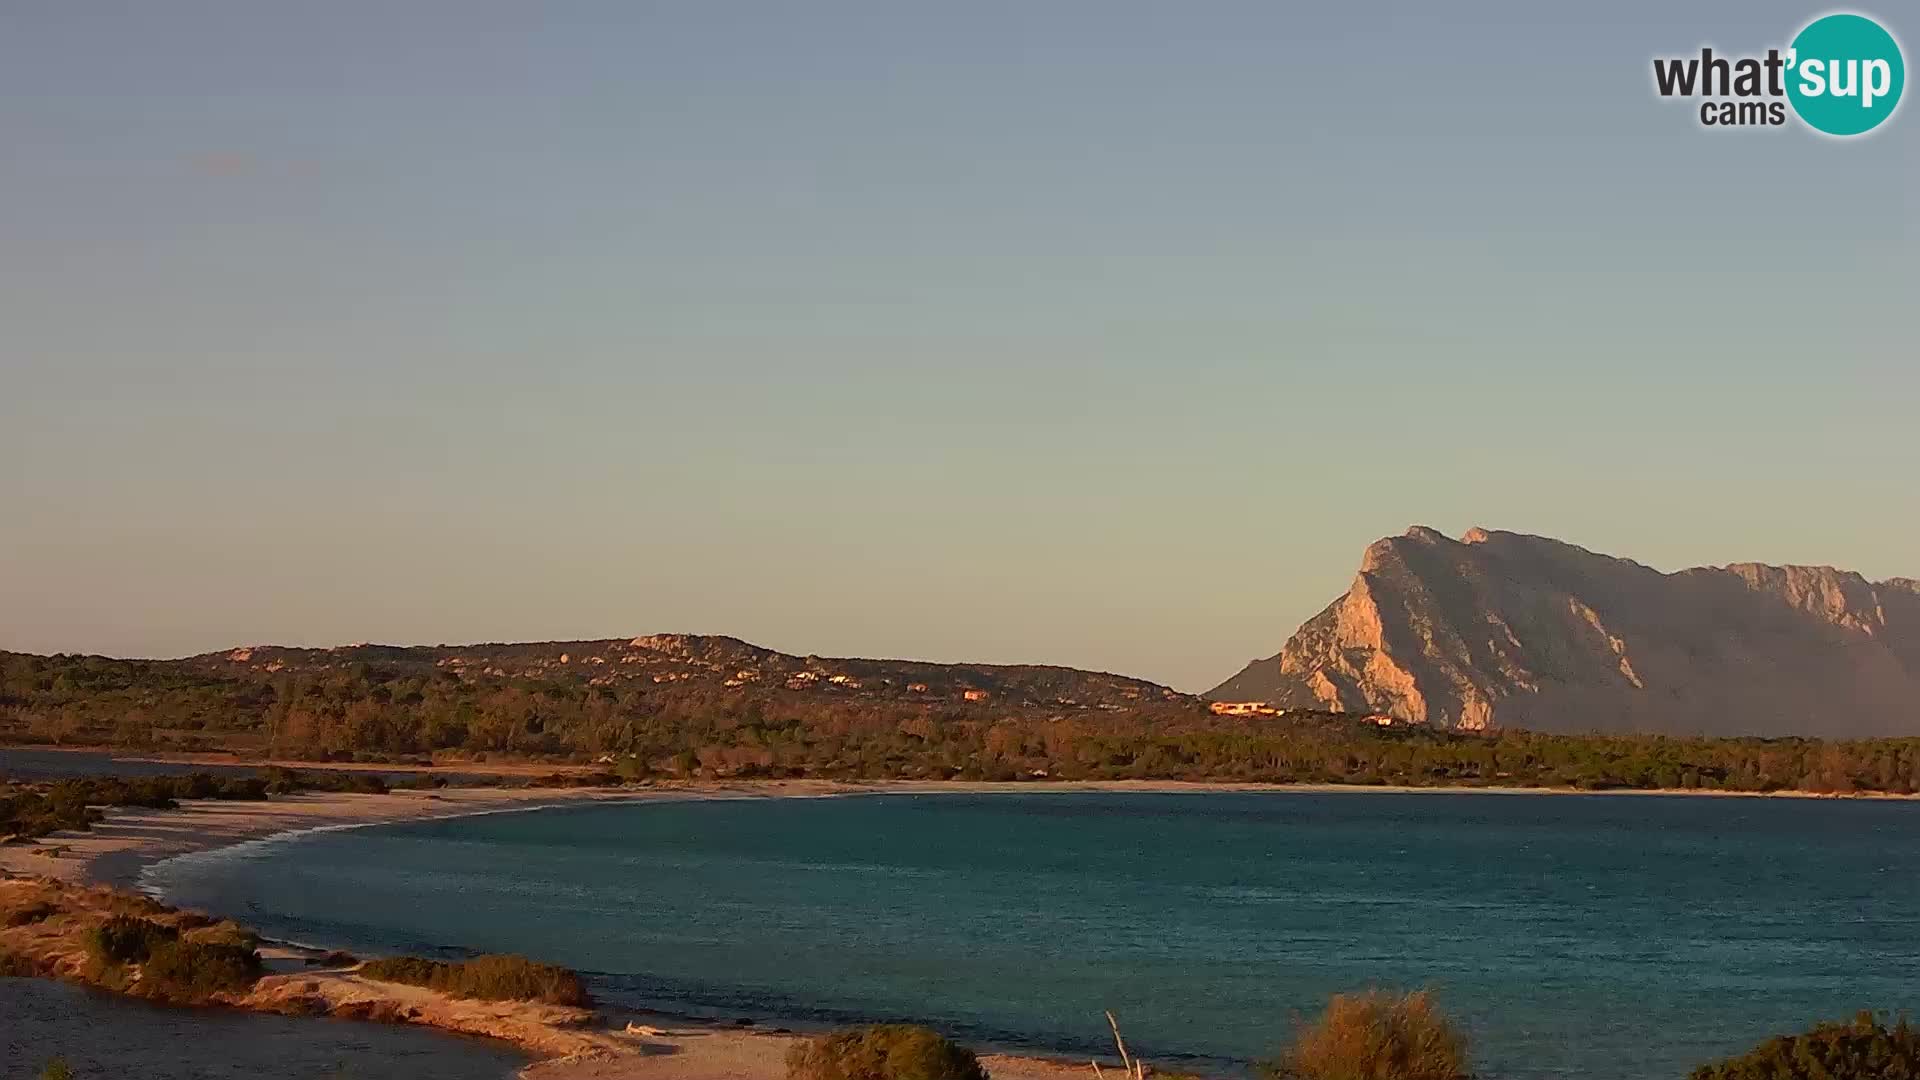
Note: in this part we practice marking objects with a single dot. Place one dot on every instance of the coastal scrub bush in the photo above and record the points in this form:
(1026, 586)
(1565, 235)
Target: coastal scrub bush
(282, 781)
(412, 970)
(484, 978)
(29, 811)
(1866, 1049)
(193, 971)
(125, 939)
(883, 1052)
(1375, 1035)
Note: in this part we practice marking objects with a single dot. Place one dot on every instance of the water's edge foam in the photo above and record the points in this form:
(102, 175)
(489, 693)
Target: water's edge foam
(144, 873)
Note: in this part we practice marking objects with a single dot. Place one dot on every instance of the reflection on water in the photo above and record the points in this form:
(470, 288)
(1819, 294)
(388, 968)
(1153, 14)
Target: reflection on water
(112, 1037)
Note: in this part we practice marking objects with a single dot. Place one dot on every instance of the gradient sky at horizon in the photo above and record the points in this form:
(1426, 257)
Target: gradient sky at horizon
(1102, 334)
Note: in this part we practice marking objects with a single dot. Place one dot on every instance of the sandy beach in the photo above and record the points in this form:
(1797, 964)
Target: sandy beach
(114, 851)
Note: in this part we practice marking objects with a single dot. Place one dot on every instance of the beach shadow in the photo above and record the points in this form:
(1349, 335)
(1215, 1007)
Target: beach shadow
(125, 828)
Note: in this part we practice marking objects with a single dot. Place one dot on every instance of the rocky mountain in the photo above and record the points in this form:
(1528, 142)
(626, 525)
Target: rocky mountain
(1500, 629)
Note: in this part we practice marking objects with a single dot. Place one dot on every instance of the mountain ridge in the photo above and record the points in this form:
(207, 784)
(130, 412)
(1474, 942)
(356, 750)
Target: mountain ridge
(715, 661)
(668, 643)
(1504, 629)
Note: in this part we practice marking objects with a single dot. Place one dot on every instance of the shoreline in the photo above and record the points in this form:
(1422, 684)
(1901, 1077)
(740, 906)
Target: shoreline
(602, 1043)
(115, 852)
(119, 849)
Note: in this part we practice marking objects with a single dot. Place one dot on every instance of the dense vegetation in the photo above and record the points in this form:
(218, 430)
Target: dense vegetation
(484, 978)
(191, 970)
(30, 810)
(369, 711)
(172, 966)
(1866, 1049)
(74, 804)
(882, 1052)
(128, 939)
(1374, 1035)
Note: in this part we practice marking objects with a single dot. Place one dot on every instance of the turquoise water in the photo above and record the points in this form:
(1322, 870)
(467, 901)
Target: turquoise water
(1607, 937)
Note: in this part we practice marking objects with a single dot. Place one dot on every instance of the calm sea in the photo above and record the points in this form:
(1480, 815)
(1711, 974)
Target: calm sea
(103, 1036)
(1589, 936)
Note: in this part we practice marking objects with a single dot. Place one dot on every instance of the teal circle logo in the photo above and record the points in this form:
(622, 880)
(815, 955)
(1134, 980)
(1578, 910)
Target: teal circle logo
(1845, 74)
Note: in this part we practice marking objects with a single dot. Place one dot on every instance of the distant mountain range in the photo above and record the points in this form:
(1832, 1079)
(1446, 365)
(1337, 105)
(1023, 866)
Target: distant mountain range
(1501, 629)
(1495, 630)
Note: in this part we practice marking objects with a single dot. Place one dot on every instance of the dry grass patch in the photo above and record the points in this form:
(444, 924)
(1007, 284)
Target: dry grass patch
(1374, 1035)
(883, 1052)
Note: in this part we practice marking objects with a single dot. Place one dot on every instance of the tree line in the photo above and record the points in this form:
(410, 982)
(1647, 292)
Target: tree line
(642, 729)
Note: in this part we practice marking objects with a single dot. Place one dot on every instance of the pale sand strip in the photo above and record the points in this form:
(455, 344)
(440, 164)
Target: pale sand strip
(114, 851)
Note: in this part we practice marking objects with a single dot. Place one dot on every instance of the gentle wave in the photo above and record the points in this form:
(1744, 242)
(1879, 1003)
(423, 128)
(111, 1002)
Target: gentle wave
(1205, 922)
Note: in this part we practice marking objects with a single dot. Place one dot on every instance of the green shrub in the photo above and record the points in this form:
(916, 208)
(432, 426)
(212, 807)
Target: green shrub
(1866, 1049)
(412, 970)
(1374, 1035)
(883, 1052)
(484, 978)
(194, 971)
(220, 959)
(57, 1069)
(125, 939)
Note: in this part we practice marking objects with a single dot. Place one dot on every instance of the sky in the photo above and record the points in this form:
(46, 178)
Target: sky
(1103, 333)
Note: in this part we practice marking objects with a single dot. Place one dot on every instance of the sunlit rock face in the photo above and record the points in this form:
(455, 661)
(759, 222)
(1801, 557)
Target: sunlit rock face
(1505, 630)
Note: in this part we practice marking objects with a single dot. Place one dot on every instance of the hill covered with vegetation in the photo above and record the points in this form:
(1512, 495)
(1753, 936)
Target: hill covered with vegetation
(675, 705)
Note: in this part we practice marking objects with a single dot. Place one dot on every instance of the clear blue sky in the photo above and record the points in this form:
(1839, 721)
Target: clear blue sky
(1095, 333)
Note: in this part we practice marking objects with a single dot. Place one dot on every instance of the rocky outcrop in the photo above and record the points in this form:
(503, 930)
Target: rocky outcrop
(1501, 629)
